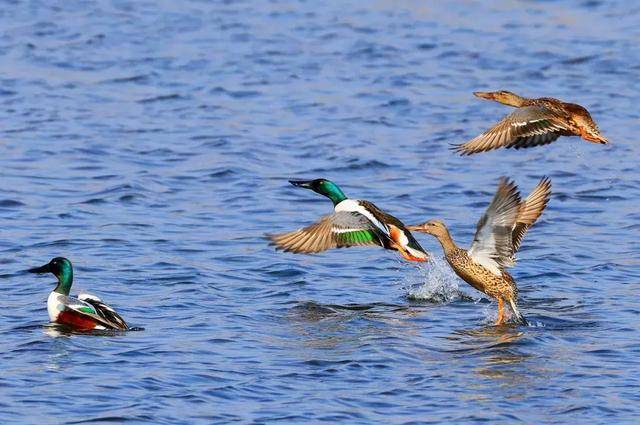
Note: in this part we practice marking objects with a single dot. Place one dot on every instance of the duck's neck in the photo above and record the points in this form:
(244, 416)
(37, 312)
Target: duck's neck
(337, 198)
(333, 192)
(65, 280)
(448, 245)
(514, 100)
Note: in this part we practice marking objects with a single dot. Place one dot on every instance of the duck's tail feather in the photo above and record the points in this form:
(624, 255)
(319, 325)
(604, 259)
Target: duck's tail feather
(519, 318)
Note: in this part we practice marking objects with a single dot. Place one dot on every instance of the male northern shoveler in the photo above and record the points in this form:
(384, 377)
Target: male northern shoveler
(85, 312)
(354, 222)
(535, 122)
(498, 236)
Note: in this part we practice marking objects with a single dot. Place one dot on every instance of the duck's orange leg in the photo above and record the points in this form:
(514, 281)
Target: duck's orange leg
(500, 320)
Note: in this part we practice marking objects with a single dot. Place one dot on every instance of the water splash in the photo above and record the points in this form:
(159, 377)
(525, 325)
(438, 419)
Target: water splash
(535, 324)
(436, 283)
(490, 313)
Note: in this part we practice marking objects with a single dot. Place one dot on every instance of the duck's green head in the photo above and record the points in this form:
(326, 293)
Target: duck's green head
(62, 269)
(323, 187)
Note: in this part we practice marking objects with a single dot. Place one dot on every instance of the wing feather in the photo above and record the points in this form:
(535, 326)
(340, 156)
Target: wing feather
(341, 229)
(492, 244)
(531, 141)
(104, 315)
(387, 219)
(525, 127)
(530, 210)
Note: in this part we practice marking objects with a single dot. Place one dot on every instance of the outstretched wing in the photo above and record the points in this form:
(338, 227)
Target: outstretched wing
(492, 244)
(338, 230)
(523, 128)
(530, 210)
(106, 315)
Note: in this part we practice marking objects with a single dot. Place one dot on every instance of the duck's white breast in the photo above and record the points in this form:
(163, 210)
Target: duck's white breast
(54, 305)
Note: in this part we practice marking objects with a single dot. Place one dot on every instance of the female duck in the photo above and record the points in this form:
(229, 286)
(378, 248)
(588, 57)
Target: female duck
(498, 237)
(83, 313)
(535, 122)
(353, 223)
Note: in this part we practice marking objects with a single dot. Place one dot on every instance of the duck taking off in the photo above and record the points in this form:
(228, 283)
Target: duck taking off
(498, 236)
(83, 313)
(353, 223)
(535, 122)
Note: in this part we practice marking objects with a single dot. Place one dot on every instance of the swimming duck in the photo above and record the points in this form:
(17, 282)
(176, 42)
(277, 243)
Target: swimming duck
(353, 223)
(498, 237)
(535, 122)
(85, 312)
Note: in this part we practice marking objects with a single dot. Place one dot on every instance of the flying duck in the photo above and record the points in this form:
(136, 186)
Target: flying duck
(535, 122)
(353, 223)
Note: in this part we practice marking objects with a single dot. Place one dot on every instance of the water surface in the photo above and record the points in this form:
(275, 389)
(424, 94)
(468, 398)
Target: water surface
(150, 143)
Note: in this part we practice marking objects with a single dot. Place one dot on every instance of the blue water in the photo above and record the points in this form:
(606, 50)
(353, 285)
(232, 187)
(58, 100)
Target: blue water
(151, 143)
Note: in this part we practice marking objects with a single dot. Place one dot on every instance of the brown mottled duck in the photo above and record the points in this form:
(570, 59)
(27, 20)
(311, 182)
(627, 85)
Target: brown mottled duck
(498, 237)
(535, 122)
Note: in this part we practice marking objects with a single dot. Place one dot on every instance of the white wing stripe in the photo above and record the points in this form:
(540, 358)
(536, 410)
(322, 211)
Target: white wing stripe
(352, 205)
(339, 230)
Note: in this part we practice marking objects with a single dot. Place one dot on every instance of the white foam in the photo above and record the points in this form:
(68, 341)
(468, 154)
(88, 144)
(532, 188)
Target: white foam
(435, 282)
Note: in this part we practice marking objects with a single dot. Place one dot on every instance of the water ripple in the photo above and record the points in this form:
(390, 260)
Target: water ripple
(151, 144)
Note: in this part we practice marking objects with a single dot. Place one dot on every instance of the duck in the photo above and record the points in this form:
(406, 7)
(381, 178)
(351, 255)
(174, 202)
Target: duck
(86, 312)
(498, 237)
(535, 122)
(353, 223)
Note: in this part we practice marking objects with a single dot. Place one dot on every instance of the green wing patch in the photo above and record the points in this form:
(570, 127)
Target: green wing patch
(543, 122)
(359, 237)
(87, 310)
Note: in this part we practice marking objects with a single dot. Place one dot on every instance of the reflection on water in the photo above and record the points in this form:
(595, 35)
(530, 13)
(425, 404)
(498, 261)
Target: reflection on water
(501, 362)
(486, 337)
(56, 330)
(342, 326)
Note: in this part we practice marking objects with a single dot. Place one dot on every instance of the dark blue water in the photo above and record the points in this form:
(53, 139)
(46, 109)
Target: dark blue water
(150, 142)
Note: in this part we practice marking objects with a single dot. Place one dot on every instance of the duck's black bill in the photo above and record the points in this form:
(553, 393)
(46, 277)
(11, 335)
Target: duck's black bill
(301, 183)
(41, 269)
